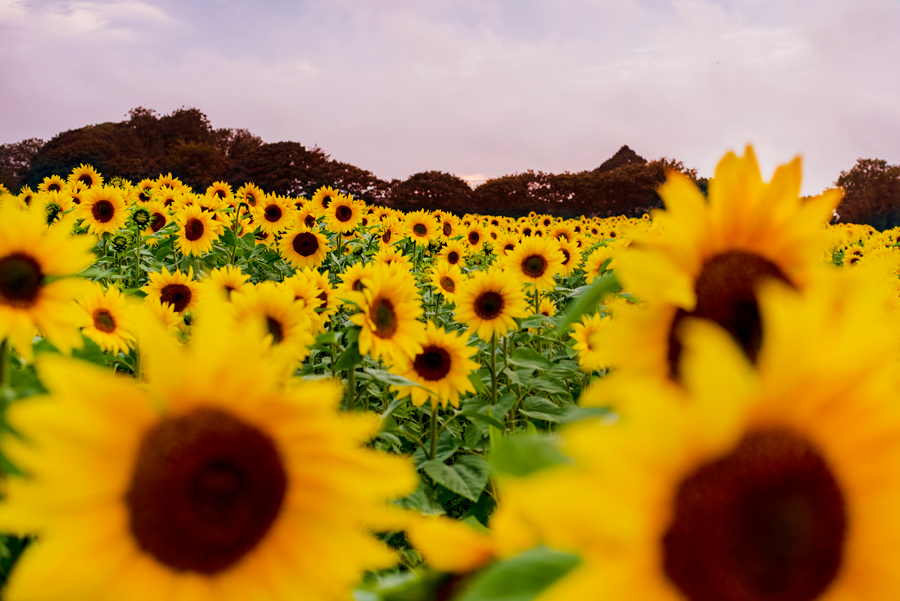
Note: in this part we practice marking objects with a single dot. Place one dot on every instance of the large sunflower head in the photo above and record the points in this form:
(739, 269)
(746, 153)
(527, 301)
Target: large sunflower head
(454, 252)
(489, 301)
(52, 183)
(35, 295)
(304, 247)
(176, 289)
(322, 199)
(103, 209)
(273, 214)
(85, 175)
(447, 279)
(201, 480)
(222, 191)
(198, 230)
(343, 213)
(535, 261)
(421, 227)
(771, 483)
(228, 280)
(442, 368)
(709, 258)
(107, 319)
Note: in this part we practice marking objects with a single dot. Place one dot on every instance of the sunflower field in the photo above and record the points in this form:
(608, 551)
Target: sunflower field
(233, 395)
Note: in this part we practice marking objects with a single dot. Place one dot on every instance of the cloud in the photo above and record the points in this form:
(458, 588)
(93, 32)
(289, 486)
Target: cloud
(482, 87)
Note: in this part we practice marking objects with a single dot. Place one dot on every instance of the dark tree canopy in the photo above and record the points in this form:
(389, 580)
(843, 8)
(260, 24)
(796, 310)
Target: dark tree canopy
(871, 194)
(432, 190)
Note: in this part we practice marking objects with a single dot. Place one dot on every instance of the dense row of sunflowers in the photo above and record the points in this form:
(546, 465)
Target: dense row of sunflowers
(238, 395)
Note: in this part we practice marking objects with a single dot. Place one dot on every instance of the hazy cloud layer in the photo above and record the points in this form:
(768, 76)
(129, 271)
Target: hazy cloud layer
(476, 87)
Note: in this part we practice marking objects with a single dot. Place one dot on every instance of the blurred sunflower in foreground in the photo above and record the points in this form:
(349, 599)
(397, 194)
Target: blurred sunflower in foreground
(209, 482)
(769, 482)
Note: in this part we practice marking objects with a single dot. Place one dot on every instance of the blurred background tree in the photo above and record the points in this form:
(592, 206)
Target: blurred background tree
(871, 194)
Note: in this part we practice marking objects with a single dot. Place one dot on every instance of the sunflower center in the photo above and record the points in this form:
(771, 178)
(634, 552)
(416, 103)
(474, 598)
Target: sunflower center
(54, 187)
(326, 200)
(309, 220)
(220, 193)
(193, 229)
(488, 305)
(157, 222)
(448, 284)
(386, 236)
(86, 179)
(433, 363)
(473, 238)
(273, 213)
(104, 321)
(526, 231)
(767, 521)
(384, 317)
(103, 211)
(305, 244)
(343, 213)
(274, 328)
(144, 196)
(20, 280)
(453, 257)
(447, 229)
(534, 266)
(726, 294)
(177, 295)
(566, 256)
(419, 229)
(205, 490)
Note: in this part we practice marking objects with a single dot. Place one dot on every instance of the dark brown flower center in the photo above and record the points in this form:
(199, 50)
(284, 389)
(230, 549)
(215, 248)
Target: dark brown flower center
(448, 284)
(21, 279)
(343, 213)
(386, 236)
(309, 220)
(54, 187)
(768, 521)
(305, 244)
(103, 211)
(157, 222)
(274, 328)
(447, 229)
(488, 305)
(526, 231)
(273, 213)
(177, 295)
(566, 256)
(534, 266)
(473, 238)
(509, 247)
(419, 229)
(726, 294)
(384, 317)
(144, 195)
(433, 363)
(453, 257)
(220, 193)
(86, 179)
(326, 200)
(193, 229)
(205, 490)
(104, 321)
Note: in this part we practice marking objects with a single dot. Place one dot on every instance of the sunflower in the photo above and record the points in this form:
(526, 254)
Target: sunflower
(169, 181)
(86, 176)
(535, 261)
(107, 319)
(229, 280)
(454, 252)
(476, 236)
(306, 294)
(52, 183)
(596, 263)
(176, 289)
(54, 205)
(220, 190)
(343, 213)
(547, 307)
(489, 301)
(35, 295)
(288, 323)
(506, 243)
(159, 217)
(306, 216)
(103, 210)
(322, 198)
(273, 214)
(354, 279)
(389, 309)
(391, 231)
(326, 293)
(571, 256)
(447, 279)
(144, 191)
(711, 256)
(304, 247)
(198, 230)
(421, 227)
(442, 367)
(249, 195)
(210, 481)
(448, 225)
(391, 255)
(587, 342)
(773, 483)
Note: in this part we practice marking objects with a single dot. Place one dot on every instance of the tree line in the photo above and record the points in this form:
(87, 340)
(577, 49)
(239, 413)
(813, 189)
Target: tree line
(185, 144)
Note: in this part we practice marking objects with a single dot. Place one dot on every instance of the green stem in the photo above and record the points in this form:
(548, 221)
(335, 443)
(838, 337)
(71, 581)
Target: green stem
(234, 226)
(494, 369)
(4, 364)
(434, 434)
(351, 389)
(137, 263)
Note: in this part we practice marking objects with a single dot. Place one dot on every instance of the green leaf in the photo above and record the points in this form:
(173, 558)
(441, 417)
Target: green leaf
(478, 383)
(531, 359)
(422, 500)
(587, 299)
(539, 408)
(535, 321)
(574, 414)
(522, 455)
(327, 338)
(387, 377)
(546, 385)
(522, 577)
(349, 359)
(482, 417)
(467, 477)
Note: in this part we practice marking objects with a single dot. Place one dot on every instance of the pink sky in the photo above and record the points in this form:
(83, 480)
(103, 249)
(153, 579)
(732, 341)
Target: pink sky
(478, 88)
